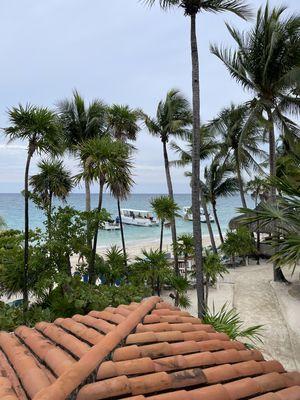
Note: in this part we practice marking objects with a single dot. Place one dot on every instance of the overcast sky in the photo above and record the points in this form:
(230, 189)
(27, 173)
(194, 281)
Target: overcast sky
(117, 50)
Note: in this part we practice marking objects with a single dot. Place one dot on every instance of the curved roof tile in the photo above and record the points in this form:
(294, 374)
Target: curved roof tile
(150, 350)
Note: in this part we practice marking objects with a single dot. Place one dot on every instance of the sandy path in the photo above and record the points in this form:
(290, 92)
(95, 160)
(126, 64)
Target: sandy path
(260, 301)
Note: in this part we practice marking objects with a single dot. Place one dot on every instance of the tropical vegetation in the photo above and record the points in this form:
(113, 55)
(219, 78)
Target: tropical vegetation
(250, 148)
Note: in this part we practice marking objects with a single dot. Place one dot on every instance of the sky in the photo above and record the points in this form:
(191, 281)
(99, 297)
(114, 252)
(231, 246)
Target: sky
(119, 51)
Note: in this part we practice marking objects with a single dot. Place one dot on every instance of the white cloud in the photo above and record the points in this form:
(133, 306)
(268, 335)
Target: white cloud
(5, 146)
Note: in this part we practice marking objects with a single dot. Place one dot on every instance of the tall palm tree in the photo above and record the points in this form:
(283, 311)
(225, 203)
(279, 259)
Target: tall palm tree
(239, 141)
(219, 182)
(266, 63)
(191, 9)
(166, 210)
(208, 146)
(120, 185)
(123, 126)
(123, 122)
(39, 127)
(52, 180)
(173, 117)
(81, 122)
(103, 159)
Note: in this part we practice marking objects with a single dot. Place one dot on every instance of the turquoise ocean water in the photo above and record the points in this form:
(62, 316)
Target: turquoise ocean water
(11, 208)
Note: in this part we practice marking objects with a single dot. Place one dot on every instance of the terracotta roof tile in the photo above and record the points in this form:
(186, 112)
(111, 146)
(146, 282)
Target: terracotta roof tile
(6, 390)
(56, 359)
(79, 330)
(150, 350)
(31, 376)
(67, 341)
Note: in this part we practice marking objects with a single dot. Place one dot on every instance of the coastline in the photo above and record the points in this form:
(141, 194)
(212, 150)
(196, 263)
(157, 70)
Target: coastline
(135, 248)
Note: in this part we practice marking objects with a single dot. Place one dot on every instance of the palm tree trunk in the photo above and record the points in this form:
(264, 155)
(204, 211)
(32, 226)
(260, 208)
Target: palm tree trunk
(49, 214)
(206, 290)
(240, 179)
(161, 235)
(171, 195)
(92, 275)
(185, 266)
(88, 209)
(217, 221)
(26, 231)
(122, 234)
(196, 169)
(87, 195)
(210, 231)
(277, 272)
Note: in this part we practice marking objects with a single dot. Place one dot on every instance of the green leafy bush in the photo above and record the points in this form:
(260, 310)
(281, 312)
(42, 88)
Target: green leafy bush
(12, 317)
(72, 296)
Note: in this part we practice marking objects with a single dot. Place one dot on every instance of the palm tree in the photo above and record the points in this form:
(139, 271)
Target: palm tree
(173, 116)
(185, 247)
(218, 182)
(123, 122)
(259, 189)
(53, 180)
(208, 147)
(123, 126)
(103, 159)
(191, 9)
(120, 185)
(284, 217)
(80, 123)
(153, 266)
(239, 141)
(166, 210)
(266, 62)
(40, 128)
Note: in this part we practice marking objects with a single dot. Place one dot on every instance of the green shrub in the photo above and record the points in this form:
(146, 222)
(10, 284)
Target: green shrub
(227, 320)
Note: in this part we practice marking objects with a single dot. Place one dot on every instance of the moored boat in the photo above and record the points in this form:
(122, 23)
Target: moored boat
(188, 215)
(111, 226)
(138, 217)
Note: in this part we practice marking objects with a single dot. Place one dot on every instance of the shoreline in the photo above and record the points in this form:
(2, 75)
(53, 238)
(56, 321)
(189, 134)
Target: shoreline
(134, 248)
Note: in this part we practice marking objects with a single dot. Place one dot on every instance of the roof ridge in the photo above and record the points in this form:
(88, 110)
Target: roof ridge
(77, 373)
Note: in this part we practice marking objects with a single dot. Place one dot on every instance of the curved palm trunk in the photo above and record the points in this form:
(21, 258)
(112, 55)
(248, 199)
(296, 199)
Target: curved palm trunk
(26, 230)
(171, 195)
(277, 272)
(217, 221)
(92, 274)
(210, 231)
(196, 169)
(122, 234)
(240, 179)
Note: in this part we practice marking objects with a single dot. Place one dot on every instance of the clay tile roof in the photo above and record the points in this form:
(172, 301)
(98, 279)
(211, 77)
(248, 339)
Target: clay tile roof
(149, 350)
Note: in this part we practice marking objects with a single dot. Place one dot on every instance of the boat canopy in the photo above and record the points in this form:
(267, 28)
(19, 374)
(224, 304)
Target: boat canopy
(136, 212)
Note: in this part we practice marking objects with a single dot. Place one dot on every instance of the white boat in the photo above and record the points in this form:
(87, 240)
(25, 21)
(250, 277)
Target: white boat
(188, 215)
(111, 226)
(138, 217)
